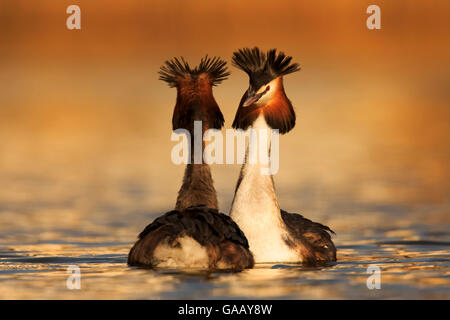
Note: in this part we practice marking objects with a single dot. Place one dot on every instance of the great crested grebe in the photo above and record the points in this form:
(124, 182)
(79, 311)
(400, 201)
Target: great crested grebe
(195, 234)
(274, 235)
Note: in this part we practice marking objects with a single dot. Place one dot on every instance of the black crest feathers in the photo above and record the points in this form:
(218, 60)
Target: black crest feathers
(255, 62)
(178, 69)
(195, 100)
(263, 67)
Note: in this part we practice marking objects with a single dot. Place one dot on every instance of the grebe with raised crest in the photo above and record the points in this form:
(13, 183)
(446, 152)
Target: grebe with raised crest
(274, 235)
(195, 234)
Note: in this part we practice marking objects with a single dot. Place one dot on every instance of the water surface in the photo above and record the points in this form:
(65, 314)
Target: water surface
(86, 209)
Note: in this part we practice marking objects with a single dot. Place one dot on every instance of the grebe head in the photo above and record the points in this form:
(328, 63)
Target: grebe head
(195, 100)
(265, 93)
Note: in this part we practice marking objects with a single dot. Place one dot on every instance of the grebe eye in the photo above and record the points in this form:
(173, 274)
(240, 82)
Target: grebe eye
(267, 88)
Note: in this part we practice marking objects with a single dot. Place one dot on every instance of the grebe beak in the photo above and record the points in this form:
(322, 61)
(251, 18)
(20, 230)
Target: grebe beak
(252, 97)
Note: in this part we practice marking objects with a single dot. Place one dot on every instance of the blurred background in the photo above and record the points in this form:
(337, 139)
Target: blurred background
(85, 123)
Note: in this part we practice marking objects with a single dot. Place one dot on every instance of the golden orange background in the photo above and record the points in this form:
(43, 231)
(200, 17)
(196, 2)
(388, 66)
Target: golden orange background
(372, 105)
(85, 146)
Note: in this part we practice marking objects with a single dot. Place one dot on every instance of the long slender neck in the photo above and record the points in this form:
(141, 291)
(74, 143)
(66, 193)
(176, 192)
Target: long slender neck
(257, 156)
(198, 185)
(255, 171)
(255, 205)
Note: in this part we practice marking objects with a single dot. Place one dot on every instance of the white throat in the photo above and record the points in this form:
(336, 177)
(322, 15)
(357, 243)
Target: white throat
(255, 206)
